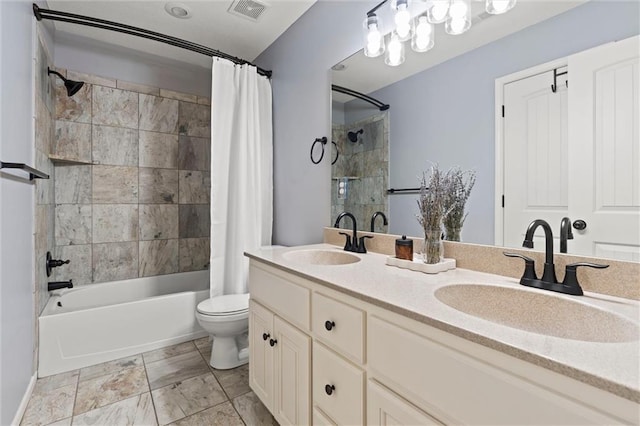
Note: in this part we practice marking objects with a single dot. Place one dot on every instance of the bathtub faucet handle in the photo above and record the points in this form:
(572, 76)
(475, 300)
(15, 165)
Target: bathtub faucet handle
(54, 263)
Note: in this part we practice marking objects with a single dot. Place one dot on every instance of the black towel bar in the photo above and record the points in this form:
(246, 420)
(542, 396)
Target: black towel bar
(33, 173)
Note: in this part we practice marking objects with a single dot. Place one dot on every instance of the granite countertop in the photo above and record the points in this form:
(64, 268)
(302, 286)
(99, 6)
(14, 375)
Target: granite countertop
(612, 367)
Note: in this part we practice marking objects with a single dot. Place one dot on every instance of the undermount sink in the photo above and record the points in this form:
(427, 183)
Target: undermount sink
(538, 313)
(321, 257)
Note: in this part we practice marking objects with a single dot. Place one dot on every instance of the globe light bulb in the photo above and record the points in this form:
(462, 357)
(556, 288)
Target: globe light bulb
(402, 20)
(373, 38)
(500, 5)
(458, 9)
(395, 51)
(422, 39)
(457, 25)
(438, 11)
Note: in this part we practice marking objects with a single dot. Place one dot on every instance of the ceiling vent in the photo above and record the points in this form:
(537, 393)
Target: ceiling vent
(248, 9)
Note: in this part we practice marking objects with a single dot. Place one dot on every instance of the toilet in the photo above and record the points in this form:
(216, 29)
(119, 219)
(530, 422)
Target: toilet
(226, 319)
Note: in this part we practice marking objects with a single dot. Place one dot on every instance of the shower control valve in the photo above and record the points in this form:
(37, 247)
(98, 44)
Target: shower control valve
(54, 263)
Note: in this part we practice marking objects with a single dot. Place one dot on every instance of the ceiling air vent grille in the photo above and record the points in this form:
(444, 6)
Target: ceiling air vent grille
(248, 9)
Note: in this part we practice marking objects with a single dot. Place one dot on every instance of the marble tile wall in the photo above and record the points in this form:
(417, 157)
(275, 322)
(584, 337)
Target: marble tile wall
(140, 205)
(367, 160)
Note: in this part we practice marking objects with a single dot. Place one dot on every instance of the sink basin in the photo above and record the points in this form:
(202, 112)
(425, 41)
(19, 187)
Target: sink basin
(321, 257)
(539, 313)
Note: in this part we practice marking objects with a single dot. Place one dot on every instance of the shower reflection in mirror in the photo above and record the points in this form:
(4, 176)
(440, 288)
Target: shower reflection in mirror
(360, 176)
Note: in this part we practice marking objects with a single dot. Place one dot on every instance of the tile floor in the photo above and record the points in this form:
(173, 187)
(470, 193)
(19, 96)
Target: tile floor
(173, 385)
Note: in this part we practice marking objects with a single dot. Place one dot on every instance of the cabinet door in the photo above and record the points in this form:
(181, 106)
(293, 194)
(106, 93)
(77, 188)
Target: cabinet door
(292, 375)
(386, 408)
(260, 353)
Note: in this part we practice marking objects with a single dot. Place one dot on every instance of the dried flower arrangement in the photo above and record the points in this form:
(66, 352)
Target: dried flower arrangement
(431, 207)
(459, 185)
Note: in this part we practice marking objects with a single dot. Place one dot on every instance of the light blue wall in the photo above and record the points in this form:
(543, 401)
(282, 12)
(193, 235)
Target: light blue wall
(447, 114)
(300, 59)
(16, 207)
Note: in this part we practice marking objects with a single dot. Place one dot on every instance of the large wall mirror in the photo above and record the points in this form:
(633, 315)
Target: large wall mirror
(443, 110)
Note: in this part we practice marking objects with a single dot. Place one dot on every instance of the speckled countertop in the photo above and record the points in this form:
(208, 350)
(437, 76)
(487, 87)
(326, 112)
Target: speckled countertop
(613, 367)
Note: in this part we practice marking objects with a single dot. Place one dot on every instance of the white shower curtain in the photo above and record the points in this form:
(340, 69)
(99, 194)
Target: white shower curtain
(241, 172)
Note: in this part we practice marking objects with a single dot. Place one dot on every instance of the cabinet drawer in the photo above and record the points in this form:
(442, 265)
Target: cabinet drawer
(338, 325)
(345, 401)
(386, 408)
(287, 299)
(458, 388)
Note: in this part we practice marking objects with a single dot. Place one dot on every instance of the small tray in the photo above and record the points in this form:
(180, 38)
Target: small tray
(418, 265)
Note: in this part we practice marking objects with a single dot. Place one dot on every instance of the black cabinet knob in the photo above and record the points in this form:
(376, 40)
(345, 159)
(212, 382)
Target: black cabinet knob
(579, 224)
(329, 325)
(329, 389)
(273, 342)
(265, 336)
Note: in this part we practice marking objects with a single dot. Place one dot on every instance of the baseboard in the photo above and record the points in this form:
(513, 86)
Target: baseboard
(25, 400)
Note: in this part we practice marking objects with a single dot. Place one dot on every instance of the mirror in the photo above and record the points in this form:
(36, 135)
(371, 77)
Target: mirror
(445, 114)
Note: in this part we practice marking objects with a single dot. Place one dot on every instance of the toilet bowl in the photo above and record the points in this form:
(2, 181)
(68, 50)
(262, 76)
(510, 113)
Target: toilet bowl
(226, 319)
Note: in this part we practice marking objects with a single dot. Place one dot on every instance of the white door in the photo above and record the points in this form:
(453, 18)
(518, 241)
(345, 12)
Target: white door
(535, 156)
(605, 149)
(576, 152)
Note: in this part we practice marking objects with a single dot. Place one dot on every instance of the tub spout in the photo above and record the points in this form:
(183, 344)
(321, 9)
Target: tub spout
(57, 285)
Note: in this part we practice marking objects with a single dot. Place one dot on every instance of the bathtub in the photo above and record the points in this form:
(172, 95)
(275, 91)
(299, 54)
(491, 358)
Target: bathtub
(102, 322)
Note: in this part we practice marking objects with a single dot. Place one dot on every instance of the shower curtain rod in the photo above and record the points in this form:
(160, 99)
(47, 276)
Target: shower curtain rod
(373, 101)
(55, 15)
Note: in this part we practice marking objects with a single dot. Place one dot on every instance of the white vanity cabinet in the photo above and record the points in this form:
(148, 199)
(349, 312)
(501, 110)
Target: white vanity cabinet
(340, 360)
(280, 353)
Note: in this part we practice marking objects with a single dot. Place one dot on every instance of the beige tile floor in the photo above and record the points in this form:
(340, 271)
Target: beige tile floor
(173, 385)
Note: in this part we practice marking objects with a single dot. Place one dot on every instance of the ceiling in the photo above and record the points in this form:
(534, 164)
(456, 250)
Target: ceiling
(210, 25)
(367, 75)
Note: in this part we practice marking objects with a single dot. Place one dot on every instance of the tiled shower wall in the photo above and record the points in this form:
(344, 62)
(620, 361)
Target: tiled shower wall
(366, 163)
(132, 183)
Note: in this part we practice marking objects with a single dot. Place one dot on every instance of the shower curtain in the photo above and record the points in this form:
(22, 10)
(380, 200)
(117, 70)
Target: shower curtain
(241, 172)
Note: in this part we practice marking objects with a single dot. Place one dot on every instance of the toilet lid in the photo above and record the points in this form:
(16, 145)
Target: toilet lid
(227, 304)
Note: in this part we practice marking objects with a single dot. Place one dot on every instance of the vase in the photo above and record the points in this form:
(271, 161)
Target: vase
(452, 233)
(432, 248)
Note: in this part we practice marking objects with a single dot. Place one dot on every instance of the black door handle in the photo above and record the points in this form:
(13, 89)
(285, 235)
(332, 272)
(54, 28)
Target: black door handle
(329, 325)
(273, 342)
(329, 389)
(579, 224)
(265, 336)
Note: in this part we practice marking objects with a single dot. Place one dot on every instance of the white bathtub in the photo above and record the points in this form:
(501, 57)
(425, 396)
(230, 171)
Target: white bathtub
(102, 322)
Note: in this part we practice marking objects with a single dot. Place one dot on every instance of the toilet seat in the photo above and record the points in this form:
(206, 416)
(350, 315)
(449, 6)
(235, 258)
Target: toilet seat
(226, 305)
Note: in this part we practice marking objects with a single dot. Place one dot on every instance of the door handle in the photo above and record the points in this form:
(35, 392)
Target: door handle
(579, 224)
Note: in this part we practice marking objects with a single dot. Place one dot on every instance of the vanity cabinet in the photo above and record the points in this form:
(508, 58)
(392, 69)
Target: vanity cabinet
(280, 354)
(340, 360)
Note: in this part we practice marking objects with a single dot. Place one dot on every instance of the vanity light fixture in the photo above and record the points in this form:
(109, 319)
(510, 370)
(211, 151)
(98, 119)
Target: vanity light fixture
(455, 14)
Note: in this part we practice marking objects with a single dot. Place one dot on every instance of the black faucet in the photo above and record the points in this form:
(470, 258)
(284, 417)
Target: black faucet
(549, 281)
(549, 274)
(373, 219)
(352, 243)
(57, 285)
(565, 233)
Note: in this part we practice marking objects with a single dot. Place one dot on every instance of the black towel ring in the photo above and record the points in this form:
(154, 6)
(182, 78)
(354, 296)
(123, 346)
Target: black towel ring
(337, 153)
(323, 142)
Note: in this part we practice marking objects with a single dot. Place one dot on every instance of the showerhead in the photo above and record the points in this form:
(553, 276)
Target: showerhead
(353, 136)
(72, 86)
